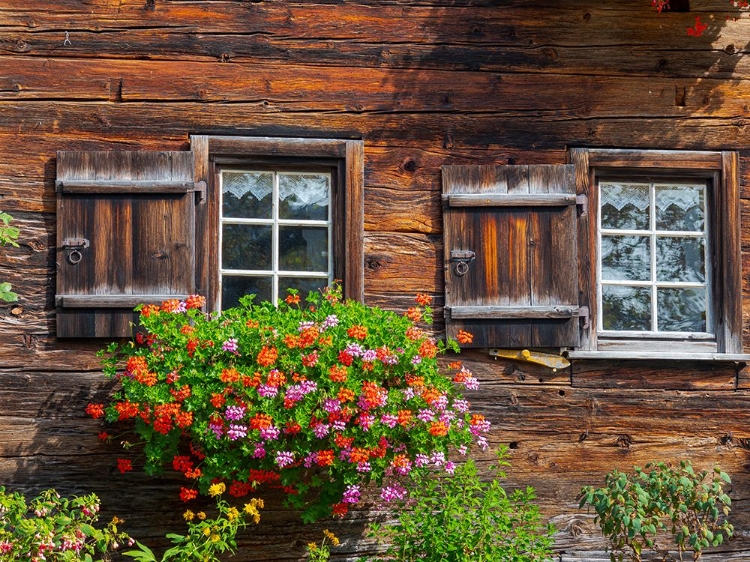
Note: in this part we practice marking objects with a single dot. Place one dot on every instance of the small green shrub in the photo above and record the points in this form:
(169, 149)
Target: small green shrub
(8, 236)
(633, 509)
(460, 518)
(55, 529)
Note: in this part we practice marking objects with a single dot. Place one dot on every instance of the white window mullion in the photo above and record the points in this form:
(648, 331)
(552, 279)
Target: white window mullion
(652, 235)
(275, 240)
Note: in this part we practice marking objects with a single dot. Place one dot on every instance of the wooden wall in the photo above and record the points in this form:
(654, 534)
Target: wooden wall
(424, 84)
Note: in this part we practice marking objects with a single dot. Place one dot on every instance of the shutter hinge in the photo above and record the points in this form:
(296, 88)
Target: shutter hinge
(200, 189)
(583, 312)
(582, 200)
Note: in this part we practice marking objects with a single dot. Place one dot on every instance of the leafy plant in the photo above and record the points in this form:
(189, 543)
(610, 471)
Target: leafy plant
(460, 518)
(55, 529)
(206, 537)
(633, 509)
(316, 399)
(8, 236)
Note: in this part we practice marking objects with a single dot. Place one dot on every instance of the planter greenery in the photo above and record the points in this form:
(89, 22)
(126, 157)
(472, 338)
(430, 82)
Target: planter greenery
(8, 236)
(316, 398)
(461, 518)
(635, 511)
(56, 529)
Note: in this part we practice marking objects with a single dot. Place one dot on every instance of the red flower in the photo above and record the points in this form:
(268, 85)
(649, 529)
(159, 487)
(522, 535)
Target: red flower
(310, 360)
(103, 436)
(124, 465)
(186, 494)
(239, 489)
(699, 28)
(345, 358)
(95, 410)
(340, 509)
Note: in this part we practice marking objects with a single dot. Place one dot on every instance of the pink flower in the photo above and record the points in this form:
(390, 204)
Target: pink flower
(351, 494)
(284, 458)
(391, 493)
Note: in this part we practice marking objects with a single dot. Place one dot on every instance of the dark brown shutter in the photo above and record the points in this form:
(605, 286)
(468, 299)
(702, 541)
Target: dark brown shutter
(514, 228)
(125, 236)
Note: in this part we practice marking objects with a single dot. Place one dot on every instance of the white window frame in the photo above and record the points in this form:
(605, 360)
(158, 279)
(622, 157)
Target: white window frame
(275, 222)
(653, 284)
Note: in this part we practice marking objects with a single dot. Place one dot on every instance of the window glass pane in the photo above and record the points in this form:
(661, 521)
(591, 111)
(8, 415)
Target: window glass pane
(247, 194)
(233, 287)
(303, 284)
(624, 206)
(680, 259)
(245, 246)
(626, 258)
(304, 196)
(626, 308)
(303, 249)
(681, 310)
(680, 207)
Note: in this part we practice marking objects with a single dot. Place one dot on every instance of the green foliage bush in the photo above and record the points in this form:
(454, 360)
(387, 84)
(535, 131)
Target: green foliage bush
(632, 509)
(8, 236)
(461, 518)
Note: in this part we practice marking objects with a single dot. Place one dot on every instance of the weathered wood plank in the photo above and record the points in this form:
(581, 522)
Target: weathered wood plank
(413, 259)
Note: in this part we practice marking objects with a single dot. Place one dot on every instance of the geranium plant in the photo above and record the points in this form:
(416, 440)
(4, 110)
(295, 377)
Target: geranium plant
(315, 397)
(53, 528)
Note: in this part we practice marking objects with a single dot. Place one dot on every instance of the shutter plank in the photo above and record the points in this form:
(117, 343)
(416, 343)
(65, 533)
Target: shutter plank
(519, 292)
(141, 237)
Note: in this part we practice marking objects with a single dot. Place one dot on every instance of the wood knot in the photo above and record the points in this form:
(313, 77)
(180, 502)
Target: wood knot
(36, 245)
(373, 263)
(150, 5)
(16, 310)
(550, 54)
(225, 57)
(730, 49)
(624, 441)
(586, 16)
(513, 398)
(158, 256)
(409, 165)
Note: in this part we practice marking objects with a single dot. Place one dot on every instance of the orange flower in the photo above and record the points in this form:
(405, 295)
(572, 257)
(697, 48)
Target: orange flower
(413, 380)
(276, 378)
(342, 441)
(251, 324)
(267, 356)
(414, 314)
(438, 429)
(291, 341)
(195, 301)
(170, 305)
(292, 299)
(345, 395)
(477, 419)
(148, 310)
(357, 332)
(95, 410)
(261, 421)
(187, 329)
(359, 455)
(147, 379)
(404, 417)
(308, 337)
(431, 394)
(338, 373)
(423, 300)
(217, 400)
(464, 337)
(326, 457)
(414, 333)
(428, 349)
(455, 365)
(183, 419)
(253, 381)
(229, 375)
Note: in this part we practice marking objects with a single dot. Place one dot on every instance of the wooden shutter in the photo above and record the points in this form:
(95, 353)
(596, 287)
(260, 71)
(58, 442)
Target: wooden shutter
(125, 236)
(520, 289)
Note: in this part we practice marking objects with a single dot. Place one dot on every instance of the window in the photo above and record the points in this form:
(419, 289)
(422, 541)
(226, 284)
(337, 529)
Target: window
(275, 233)
(620, 254)
(233, 215)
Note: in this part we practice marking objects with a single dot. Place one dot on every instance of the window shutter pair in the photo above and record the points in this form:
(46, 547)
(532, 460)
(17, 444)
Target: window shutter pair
(125, 236)
(511, 255)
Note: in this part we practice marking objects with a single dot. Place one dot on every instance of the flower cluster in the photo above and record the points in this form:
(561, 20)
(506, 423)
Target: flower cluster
(315, 398)
(53, 528)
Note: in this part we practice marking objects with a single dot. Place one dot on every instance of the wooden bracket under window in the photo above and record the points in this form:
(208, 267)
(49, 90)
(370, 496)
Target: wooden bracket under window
(582, 200)
(200, 189)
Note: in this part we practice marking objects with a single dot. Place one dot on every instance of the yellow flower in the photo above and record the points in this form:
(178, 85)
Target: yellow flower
(207, 531)
(188, 515)
(201, 515)
(312, 547)
(215, 538)
(232, 513)
(116, 520)
(217, 489)
(331, 537)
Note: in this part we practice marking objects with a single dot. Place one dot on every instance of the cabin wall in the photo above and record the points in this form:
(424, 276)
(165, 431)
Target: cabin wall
(424, 84)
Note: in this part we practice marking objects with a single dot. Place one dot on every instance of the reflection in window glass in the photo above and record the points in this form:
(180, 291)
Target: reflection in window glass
(653, 266)
(275, 233)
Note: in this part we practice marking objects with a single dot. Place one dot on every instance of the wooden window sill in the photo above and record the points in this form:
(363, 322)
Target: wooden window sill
(743, 358)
